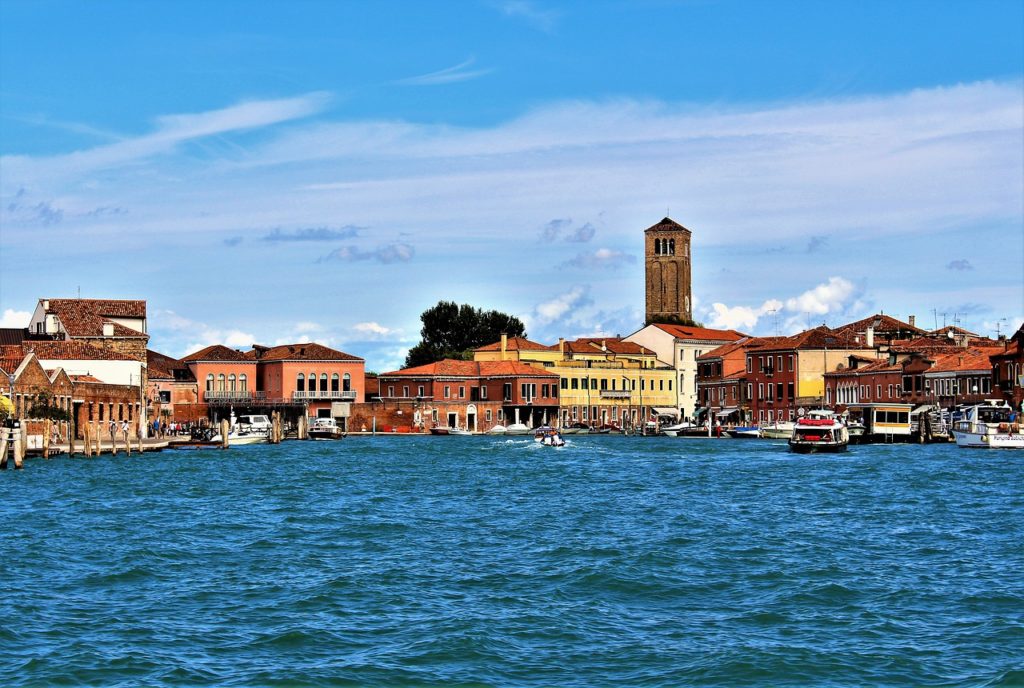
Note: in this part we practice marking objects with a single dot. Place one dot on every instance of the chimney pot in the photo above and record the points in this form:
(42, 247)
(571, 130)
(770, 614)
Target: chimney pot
(912, 320)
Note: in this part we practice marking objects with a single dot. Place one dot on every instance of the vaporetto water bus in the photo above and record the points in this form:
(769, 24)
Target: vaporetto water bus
(989, 425)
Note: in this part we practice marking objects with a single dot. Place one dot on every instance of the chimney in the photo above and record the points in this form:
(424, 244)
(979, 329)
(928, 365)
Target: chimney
(46, 304)
(561, 347)
(108, 329)
(604, 346)
(912, 320)
(504, 345)
(870, 338)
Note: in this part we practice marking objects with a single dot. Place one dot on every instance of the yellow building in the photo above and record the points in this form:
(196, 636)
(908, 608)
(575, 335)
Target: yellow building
(602, 381)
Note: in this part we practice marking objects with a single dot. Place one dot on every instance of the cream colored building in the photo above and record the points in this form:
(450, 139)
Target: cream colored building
(602, 381)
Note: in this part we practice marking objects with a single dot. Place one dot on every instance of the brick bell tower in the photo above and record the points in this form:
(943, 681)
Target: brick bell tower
(667, 262)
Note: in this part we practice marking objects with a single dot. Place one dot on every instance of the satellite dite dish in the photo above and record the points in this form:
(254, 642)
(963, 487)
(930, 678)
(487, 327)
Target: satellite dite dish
(949, 333)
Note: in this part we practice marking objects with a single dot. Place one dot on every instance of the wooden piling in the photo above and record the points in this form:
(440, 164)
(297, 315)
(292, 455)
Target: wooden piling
(225, 428)
(96, 439)
(22, 444)
(47, 432)
(4, 444)
(18, 446)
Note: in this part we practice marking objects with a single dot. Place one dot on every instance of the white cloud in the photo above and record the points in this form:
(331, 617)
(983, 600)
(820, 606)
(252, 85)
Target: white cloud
(556, 308)
(374, 329)
(741, 318)
(13, 318)
(601, 259)
(831, 297)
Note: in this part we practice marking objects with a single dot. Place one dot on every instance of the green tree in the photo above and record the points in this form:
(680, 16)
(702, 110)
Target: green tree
(42, 407)
(453, 331)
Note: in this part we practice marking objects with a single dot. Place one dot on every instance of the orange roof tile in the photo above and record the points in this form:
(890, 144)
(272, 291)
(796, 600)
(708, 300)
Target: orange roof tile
(309, 351)
(72, 350)
(701, 333)
(86, 317)
(215, 352)
(515, 344)
(452, 368)
(667, 224)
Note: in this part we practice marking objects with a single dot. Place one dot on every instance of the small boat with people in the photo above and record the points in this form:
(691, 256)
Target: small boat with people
(820, 431)
(549, 437)
(989, 425)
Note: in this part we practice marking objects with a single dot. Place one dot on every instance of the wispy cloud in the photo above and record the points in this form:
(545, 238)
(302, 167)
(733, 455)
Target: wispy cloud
(449, 75)
(391, 253)
(582, 234)
(553, 229)
(816, 243)
(601, 259)
(959, 265)
(542, 19)
(313, 234)
(233, 241)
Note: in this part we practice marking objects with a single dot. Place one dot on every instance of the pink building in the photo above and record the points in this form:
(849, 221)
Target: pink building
(311, 375)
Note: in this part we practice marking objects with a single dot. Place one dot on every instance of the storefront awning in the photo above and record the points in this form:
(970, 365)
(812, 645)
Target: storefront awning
(665, 411)
(727, 412)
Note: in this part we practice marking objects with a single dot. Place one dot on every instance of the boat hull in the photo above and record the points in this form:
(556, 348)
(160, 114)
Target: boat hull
(817, 447)
(976, 440)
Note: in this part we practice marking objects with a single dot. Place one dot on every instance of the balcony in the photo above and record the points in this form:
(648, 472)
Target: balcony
(324, 396)
(239, 395)
(615, 394)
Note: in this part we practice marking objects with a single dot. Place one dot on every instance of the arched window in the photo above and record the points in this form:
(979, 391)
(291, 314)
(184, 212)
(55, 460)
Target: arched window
(220, 382)
(657, 247)
(243, 382)
(323, 382)
(209, 382)
(334, 382)
(346, 383)
(671, 247)
(231, 382)
(300, 383)
(312, 382)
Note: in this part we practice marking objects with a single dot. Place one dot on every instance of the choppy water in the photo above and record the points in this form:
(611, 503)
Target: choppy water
(480, 561)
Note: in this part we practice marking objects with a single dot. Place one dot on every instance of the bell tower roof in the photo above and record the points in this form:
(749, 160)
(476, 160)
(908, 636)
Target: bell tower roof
(667, 224)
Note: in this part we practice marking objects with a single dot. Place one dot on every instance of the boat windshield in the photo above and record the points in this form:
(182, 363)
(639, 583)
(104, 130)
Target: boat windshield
(994, 414)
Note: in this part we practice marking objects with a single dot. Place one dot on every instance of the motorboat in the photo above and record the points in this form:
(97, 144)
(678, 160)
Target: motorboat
(445, 430)
(819, 432)
(577, 428)
(990, 425)
(244, 433)
(517, 429)
(550, 438)
(744, 433)
(324, 429)
(778, 430)
(498, 430)
(685, 429)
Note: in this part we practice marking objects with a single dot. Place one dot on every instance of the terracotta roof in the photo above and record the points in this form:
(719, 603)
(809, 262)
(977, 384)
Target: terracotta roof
(942, 331)
(611, 345)
(452, 368)
(515, 344)
(703, 333)
(160, 366)
(820, 337)
(9, 364)
(72, 350)
(965, 359)
(881, 365)
(882, 323)
(741, 344)
(924, 345)
(309, 351)
(215, 352)
(86, 317)
(85, 378)
(667, 224)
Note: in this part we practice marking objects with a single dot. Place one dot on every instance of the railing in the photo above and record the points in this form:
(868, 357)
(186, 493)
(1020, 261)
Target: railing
(229, 395)
(616, 394)
(333, 396)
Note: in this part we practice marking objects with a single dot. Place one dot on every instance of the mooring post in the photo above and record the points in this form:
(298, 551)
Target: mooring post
(4, 443)
(96, 439)
(47, 432)
(302, 426)
(20, 441)
(224, 430)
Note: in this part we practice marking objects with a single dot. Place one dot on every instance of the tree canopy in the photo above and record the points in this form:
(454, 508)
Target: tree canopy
(453, 331)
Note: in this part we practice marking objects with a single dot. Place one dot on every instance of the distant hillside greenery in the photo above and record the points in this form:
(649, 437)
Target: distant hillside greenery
(451, 330)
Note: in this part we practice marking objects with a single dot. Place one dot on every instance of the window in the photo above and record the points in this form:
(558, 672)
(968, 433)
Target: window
(220, 382)
(483, 395)
(575, 383)
(878, 391)
(165, 397)
(231, 382)
(760, 391)
(778, 362)
(487, 413)
(506, 390)
(750, 390)
(585, 383)
(447, 391)
(585, 409)
(405, 390)
(643, 384)
(243, 382)
(209, 384)
(323, 382)
(391, 390)
(419, 391)
(789, 390)
(771, 391)
(346, 383)
(670, 385)
(462, 391)
(791, 363)
(750, 364)
(565, 383)
(335, 383)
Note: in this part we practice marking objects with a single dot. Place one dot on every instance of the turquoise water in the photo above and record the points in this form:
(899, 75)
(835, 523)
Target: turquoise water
(481, 561)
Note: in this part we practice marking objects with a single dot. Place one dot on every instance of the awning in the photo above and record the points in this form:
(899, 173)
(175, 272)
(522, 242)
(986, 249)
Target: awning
(727, 412)
(697, 413)
(922, 407)
(665, 411)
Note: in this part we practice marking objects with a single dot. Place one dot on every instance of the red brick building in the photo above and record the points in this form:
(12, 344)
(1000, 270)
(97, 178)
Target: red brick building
(1008, 369)
(474, 395)
(317, 378)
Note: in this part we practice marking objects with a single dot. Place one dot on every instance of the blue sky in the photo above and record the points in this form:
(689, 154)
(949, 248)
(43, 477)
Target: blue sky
(272, 172)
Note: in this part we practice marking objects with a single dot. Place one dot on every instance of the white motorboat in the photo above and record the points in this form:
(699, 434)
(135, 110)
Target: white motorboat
(744, 433)
(685, 429)
(498, 430)
(324, 429)
(779, 430)
(991, 425)
(819, 432)
(517, 429)
(237, 436)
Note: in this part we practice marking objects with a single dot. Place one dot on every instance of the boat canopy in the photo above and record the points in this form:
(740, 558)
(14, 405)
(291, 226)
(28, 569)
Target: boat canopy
(728, 411)
(666, 411)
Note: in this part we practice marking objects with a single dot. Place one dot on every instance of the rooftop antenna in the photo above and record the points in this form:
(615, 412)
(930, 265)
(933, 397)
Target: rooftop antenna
(79, 292)
(775, 315)
(935, 315)
(999, 332)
